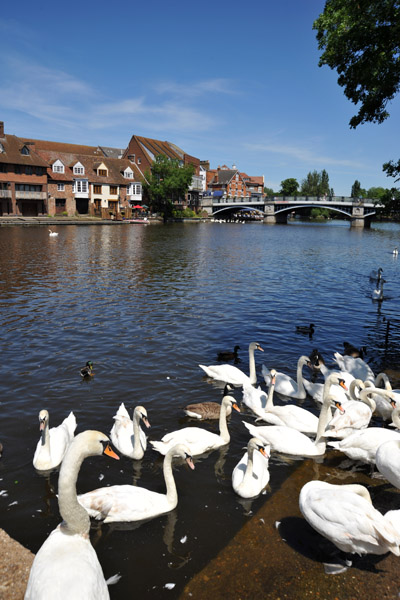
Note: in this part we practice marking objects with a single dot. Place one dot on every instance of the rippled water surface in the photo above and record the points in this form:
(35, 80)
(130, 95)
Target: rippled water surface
(147, 305)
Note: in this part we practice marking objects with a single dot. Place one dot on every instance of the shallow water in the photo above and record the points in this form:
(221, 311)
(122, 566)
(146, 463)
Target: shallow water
(147, 305)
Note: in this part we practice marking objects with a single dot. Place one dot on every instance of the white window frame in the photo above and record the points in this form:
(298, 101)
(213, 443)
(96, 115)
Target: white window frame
(60, 187)
(79, 169)
(128, 173)
(81, 186)
(58, 167)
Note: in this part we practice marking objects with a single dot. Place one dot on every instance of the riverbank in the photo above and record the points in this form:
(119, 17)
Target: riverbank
(52, 221)
(15, 564)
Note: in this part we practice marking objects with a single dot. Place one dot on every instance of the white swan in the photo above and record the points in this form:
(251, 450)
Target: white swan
(199, 440)
(54, 442)
(285, 384)
(395, 251)
(355, 414)
(127, 435)
(383, 405)
(363, 444)
(387, 461)
(251, 474)
(132, 503)
(290, 415)
(208, 410)
(52, 233)
(355, 366)
(341, 391)
(233, 375)
(344, 515)
(377, 294)
(66, 566)
(290, 441)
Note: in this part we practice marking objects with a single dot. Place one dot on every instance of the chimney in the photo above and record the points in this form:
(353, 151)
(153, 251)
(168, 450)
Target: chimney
(1, 129)
(131, 157)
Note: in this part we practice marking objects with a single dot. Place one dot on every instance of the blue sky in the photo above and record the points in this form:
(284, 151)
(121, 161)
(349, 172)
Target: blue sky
(230, 82)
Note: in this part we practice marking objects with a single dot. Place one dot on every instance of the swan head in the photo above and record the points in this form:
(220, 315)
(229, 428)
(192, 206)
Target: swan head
(182, 451)
(273, 376)
(141, 413)
(336, 380)
(230, 401)
(339, 406)
(256, 444)
(255, 346)
(43, 419)
(91, 443)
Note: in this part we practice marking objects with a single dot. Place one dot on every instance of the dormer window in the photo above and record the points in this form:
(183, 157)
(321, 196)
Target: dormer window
(128, 173)
(79, 169)
(102, 172)
(1, 148)
(58, 167)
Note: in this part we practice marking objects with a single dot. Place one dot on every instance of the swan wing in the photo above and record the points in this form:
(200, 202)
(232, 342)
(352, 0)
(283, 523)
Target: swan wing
(259, 477)
(198, 440)
(284, 439)
(226, 373)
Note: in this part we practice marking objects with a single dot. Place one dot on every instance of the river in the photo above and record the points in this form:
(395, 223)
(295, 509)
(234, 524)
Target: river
(147, 305)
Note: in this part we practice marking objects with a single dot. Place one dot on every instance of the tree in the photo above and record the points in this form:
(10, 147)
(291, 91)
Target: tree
(167, 182)
(356, 189)
(316, 184)
(269, 191)
(376, 193)
(289, 187)
(360, 39)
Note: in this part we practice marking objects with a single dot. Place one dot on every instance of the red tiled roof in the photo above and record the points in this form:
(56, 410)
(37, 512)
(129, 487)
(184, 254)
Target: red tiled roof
(11, 154)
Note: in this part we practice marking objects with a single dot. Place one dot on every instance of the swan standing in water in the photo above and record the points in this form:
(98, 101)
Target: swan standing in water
(66, 566)
(344, 515)
(127, 435)
(284, 384)
(132, 503)
(363, 444)
(290, 441)
(199, 440)
(251, 474)
(233, 375)
(54, 442)
(290, 415)
(208, 410)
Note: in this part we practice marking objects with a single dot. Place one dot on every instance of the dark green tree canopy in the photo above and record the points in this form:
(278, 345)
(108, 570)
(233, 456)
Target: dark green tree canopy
(316, 184)
(168, 181)
(360, 39)
(356, 189)
(289, 187)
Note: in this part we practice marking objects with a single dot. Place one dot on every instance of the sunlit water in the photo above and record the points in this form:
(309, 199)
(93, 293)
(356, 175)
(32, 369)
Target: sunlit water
(147, 305)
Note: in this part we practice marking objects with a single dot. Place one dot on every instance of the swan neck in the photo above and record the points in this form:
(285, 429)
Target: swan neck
(366, 397)
(300, 384)
(76, 519)
(223, 426)
(324, 415)
(252, 366)
(270, 397)
(136, 431)
(172, 495)
(249, 467)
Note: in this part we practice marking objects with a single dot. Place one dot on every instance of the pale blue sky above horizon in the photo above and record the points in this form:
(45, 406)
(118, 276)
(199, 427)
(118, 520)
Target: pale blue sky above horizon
(229, 82)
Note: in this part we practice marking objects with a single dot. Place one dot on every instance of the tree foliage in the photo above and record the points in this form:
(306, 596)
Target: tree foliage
(167, 182)
(356, 191)
(360, 39)
(316, 184)
(269, 191)
(289, 187)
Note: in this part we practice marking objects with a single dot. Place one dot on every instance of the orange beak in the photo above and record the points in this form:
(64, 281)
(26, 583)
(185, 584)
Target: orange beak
(110, 452)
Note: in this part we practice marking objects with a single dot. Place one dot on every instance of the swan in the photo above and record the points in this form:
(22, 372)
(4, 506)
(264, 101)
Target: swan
(284, 384)
(290, 441)
(355, 414)
(387, 460)
(355, 366)
(395, 251)
(87, 370)
(132, 503)
(54, 442)
(344, 514)
(52, 233)
(377, 294)
(127, 435)
(233, 375)
(199, 440)
(290, 415)
(251, 474)
(363, 444)
(318, 390)
(66, 566)
(228, 355)
(208, 410)
(383, 406)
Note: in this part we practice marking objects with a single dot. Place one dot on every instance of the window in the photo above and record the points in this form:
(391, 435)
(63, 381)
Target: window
(25, 150)
(28, 170)
(79, 169)
(60, 187)
(97, 189)
(102, 172)
(128, 173)
(139, 161)
(58, 167)
(134, 189)
(27, 187)
(60, 203)
(80, 186)
(113, 190)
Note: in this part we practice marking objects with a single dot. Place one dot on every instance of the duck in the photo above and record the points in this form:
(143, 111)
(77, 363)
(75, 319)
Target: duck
(286, 440)
(228, 355)
(309, 329)
(127, 503)
(199, 440)
(286, 385)
(87, 370)
(344, 514)
(66, 566)
(377, 294)
(233, 375)
(126, 433)
(363, 444)
(52, 233)
(251, 475)
(54, 442)
(290, 415)
(350, 350)
(357, 367)
(355, 414)
(208, 410)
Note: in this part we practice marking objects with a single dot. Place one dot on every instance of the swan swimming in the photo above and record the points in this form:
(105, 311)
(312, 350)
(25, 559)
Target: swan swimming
(127, 435)
(66, 566)
(54, 442)
(251, 474)
(233, 375)
(284, 384)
